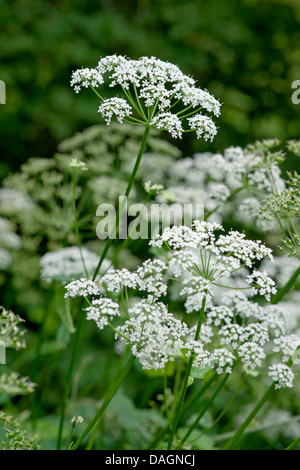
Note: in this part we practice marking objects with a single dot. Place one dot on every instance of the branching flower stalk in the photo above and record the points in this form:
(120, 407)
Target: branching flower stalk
(201, 259)
(151, 88)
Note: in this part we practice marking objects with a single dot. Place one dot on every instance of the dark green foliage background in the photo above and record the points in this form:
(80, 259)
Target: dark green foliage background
(244, 51)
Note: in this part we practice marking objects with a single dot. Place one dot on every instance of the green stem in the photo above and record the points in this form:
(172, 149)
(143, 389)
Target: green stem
(187, 375)
(69, 380)
(70, 438)
(165, 383)
(106, 402)
(127, 240)
(223, 412)
(128, 190)
(76, 224)
(189, 404)
(205, 408)
(293, 444)
(193, 398)
(115, 377)
(256, 429)
(285, 289)
(248, 420)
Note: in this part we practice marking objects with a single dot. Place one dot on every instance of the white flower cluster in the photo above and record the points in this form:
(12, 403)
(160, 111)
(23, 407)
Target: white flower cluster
(234, 329)
(66, 264)
(212, 258)
(153, 87)
(10, 329)
(102, 311)
(147, 278)
(153, 333)
(239, 178)
(82, 288)
(262, 284)
(114, 107)
(78, 165)
(282, 375)
(153, 188)
(12, 201)
(83, 78)
(204, 126)
(169, 122)
(8, 238)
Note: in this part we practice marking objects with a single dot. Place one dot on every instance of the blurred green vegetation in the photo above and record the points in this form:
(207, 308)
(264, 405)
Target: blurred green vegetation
(246, 52)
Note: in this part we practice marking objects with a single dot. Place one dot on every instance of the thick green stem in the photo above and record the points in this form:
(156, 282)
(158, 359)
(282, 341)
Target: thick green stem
(113, 390)
(248, 420)
(187, 375)
(119, 211)
(285, 289)
(69, 380)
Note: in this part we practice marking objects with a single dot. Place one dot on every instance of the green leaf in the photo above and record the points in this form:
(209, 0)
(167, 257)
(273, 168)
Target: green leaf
(62, 336)
(63, 309)
(200, 372)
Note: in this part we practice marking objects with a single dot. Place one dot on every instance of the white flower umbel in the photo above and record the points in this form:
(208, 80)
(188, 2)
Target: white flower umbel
(82, 288)
(262, 284)
(211, 257)
(168, 122)
(282, 375)
(66, 264)
(154, 93)
(222, 360)
(114, 107)
(78, 165)
(204, 126)
(102, 311)
(148, 278)
(287, 345)
(117, 280)
(83, 78)
(153, 333)
(230, 327)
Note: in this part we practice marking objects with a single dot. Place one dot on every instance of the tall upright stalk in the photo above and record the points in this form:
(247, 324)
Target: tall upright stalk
(107, 246)
(69, 380)
(187, 375)
(120, 210)
(111, 393)
(249, 418)
(75, 215)
(204, 409)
